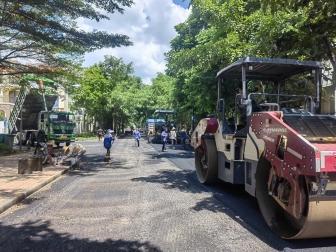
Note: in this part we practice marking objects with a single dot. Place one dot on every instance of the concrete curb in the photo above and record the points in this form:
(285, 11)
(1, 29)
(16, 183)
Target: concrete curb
(24, 195)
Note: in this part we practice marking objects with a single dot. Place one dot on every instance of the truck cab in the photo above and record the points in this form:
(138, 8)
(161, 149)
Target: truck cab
(59, 126)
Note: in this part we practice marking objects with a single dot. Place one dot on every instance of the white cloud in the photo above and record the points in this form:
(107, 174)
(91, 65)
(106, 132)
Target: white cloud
(150, 26)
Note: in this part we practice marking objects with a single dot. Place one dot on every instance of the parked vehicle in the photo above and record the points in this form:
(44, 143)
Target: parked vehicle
(37, 114)
(281, 152)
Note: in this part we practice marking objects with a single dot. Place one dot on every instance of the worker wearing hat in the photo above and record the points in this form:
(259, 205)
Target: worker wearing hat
(108, 143)
(173, 136)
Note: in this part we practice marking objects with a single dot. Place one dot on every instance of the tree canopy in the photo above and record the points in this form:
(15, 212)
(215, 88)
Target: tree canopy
(219, 32)
(115, 97)
(42, 36)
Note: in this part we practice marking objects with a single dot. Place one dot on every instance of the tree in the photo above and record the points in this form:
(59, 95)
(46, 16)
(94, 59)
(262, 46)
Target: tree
(219, 32)
(162, 90)
(43, 36)
(312, 32)
(111, 93)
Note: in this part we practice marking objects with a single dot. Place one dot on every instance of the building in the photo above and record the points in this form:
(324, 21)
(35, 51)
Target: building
(8, 93)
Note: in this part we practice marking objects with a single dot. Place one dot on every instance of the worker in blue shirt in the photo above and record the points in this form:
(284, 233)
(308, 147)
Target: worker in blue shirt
(108, 143)
(137, 136)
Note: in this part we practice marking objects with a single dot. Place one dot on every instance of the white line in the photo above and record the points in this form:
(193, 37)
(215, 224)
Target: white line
(268, 139)
(294, 153)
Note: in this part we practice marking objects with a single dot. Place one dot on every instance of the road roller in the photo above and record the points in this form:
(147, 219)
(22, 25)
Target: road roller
(268, 135)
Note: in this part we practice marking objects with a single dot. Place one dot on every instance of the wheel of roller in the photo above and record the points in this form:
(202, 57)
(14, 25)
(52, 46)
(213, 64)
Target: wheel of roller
(275, 216)
(206, 161)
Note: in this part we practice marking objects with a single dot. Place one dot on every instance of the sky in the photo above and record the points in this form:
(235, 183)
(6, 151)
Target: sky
(150, 26)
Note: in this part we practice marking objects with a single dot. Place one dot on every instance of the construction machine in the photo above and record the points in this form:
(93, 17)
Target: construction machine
(35, 110)
(278, 146)
(154, 126)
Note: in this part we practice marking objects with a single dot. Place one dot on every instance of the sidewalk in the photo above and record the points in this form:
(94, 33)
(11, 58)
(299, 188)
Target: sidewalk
(15, 187)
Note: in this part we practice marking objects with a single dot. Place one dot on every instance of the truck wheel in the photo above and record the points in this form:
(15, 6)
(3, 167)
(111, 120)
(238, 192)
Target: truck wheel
(206, 161)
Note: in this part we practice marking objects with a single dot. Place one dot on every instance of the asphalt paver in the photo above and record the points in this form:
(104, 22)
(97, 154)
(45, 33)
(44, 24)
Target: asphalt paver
(139, 201)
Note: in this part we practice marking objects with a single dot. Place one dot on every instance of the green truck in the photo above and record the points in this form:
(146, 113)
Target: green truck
(59, 126)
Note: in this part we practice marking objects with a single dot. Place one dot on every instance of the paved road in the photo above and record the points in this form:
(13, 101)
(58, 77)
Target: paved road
(140, 201)
(243, 206)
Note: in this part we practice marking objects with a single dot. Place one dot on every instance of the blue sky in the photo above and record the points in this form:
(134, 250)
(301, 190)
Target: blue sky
(183, 3)
(150, 26)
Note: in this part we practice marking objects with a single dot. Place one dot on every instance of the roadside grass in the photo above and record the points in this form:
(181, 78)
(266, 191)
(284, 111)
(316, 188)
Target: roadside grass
(86, 136)
(4, 149)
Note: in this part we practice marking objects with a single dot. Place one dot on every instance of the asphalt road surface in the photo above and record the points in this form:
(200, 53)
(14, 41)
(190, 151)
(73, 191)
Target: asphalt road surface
(142, 200)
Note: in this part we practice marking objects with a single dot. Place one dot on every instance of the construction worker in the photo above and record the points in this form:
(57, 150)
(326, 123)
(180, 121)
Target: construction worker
(108, 143)
(73, 154)
(100, 134)
(137, 136)
(164, 139)
(172, 137)
(41, 139)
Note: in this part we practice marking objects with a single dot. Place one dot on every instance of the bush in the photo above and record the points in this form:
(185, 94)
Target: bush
(4, 149)
(86, 135)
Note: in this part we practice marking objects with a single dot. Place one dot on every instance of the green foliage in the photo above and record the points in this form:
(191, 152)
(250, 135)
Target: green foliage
(219, 32)
(116, 98)
(161, 92)
(310, 32)
(47, 34)
(4, 149)
(86, 136)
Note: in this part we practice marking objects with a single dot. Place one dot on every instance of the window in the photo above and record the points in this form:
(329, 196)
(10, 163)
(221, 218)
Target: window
(61, 117)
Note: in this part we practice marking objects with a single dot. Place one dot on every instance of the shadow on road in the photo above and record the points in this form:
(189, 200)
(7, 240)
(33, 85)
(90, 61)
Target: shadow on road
(89, 166)
(234, 202)
(168, 154)
(171, 179)
(39, 236)
(30, 200)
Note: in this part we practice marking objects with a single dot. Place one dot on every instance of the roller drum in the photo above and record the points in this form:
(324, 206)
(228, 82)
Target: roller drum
(319, 220)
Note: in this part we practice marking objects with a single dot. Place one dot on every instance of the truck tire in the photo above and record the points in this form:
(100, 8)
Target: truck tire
(206, 161)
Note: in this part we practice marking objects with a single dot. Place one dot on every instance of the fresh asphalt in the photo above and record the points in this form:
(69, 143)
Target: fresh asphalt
(143, 200)
(244, 207)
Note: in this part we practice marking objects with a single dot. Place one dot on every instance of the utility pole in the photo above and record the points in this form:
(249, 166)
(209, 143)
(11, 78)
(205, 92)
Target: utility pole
(20, 138)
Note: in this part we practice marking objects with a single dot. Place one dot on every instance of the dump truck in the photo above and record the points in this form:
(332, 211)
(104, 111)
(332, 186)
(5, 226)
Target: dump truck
(278, 145)
(37, 114)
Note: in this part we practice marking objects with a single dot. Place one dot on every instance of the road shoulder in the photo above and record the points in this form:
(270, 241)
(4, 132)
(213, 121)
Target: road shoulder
(15, 187)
